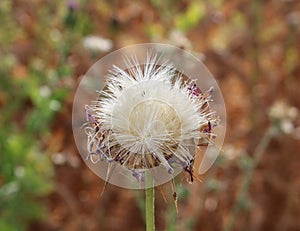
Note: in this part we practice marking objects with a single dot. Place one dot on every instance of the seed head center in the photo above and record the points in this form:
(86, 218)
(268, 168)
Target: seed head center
(154, 123)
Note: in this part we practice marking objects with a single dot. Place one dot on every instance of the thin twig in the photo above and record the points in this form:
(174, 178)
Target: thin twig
(243, 193)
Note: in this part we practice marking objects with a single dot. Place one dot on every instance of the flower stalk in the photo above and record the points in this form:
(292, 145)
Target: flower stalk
(150, 200)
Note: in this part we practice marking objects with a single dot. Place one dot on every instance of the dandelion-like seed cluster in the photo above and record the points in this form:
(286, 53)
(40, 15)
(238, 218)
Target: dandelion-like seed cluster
(147, 116)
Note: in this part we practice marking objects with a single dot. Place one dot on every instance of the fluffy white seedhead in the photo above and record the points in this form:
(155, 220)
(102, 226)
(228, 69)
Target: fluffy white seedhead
(147, 116)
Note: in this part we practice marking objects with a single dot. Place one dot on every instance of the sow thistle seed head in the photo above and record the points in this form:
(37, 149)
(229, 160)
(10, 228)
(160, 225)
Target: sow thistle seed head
(147, 116)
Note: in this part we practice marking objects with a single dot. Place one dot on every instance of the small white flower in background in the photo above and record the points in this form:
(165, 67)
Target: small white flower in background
(178, 38)
(45, 91)
(59, 158)
(284, 115)
(232, 152)
(97, 43)
(294, 18)
(149, 116)
(19, 171)
(54, 105)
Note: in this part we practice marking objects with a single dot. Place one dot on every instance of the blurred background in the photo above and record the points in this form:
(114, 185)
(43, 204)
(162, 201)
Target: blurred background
(252, 47)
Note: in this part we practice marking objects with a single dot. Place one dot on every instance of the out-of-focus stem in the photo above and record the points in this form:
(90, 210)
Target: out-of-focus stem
(259, 151)
(256, 20)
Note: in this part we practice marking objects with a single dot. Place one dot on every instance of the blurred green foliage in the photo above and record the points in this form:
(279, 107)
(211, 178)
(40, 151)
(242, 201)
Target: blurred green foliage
(191, 17)
(32, 91)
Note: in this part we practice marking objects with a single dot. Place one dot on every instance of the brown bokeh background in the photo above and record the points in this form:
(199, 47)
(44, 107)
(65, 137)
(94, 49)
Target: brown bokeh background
(252, 49)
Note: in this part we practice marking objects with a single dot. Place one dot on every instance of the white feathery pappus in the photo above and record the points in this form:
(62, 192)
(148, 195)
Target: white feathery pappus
(147, 116)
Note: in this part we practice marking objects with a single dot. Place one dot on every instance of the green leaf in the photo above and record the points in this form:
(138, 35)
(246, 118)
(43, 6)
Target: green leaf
(194, 14)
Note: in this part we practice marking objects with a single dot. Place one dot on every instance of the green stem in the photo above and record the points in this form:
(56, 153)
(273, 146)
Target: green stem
(150, 224)
(256, 21)
(246, 182)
